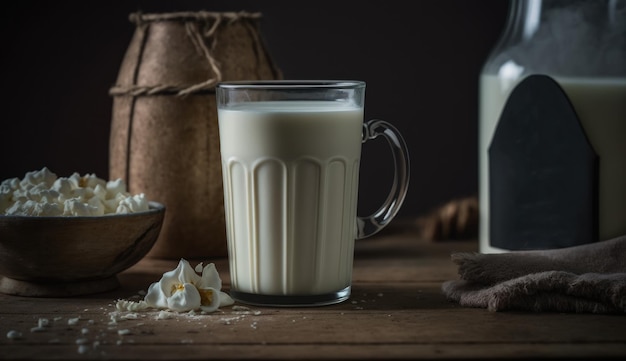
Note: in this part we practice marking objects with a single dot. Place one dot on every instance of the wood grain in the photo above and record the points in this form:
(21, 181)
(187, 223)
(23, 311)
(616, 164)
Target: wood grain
(396, 311)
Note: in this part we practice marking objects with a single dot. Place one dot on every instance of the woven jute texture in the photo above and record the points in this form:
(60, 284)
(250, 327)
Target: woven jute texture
(164, 139)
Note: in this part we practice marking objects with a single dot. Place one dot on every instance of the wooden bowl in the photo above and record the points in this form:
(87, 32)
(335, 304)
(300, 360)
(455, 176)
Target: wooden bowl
(69, 255)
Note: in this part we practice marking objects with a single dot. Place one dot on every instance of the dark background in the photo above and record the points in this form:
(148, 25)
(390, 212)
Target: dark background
(420, 59)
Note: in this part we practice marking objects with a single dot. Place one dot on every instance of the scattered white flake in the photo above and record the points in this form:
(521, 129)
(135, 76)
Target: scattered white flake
(84, 331)
(43, 322)
(229, 320)
(130, 316)
(82, 341)
(242, 312)
(125, 305)
(240, 308)
(91, 322)
(73, 321)
(380, 295)
(253, 325)
(37, 329)
(124, 332)
(119, 342)
(14, 335)
(358, 308)
(186, 341)
(165, 315)
(113, 318)
(96, 344)
(58, 318)
(353, 302)
(82, 349)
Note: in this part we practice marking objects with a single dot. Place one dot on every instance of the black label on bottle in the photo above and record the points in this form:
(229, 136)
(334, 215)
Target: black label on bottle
(543, 172)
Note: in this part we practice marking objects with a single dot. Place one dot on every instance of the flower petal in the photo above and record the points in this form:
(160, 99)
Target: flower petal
(186, 273)
(210, 278)
(198, 267)
(155, 297)
(186, 299)
(210, 299)
(182, 289)
(225, 300)
(171, 279)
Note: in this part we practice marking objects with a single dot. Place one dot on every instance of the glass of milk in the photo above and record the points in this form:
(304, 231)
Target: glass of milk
(290, 155)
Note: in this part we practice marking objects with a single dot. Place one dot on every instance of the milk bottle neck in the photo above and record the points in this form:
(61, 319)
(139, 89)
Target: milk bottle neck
(578, 38)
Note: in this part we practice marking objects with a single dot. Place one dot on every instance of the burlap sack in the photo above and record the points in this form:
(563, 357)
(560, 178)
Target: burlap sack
(164, 138)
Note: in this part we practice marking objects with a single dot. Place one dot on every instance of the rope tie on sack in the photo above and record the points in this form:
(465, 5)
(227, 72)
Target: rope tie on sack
(198, 37)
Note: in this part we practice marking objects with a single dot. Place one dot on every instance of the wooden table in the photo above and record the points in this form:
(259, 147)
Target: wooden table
(396, 311)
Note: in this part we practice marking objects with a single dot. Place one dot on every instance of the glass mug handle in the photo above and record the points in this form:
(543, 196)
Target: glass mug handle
(368, 226)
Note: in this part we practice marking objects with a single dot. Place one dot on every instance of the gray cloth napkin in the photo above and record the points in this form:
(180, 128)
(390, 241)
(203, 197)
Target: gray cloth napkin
(586, 278)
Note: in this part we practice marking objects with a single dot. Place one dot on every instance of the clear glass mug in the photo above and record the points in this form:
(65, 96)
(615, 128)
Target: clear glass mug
(290, 155)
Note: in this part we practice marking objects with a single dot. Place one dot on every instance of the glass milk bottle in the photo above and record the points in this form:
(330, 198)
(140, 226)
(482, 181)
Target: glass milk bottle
(581, 45)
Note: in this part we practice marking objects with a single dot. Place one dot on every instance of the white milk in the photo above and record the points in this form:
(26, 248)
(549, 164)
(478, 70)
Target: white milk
(601, 108)
(290, 185)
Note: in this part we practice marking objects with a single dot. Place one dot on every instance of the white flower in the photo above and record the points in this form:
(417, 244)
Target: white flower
(182, 290)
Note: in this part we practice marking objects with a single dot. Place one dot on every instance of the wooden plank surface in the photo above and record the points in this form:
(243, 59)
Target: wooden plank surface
(396, 311)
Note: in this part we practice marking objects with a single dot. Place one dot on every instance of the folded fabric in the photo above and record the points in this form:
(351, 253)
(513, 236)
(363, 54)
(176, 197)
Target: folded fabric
(585, 278)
